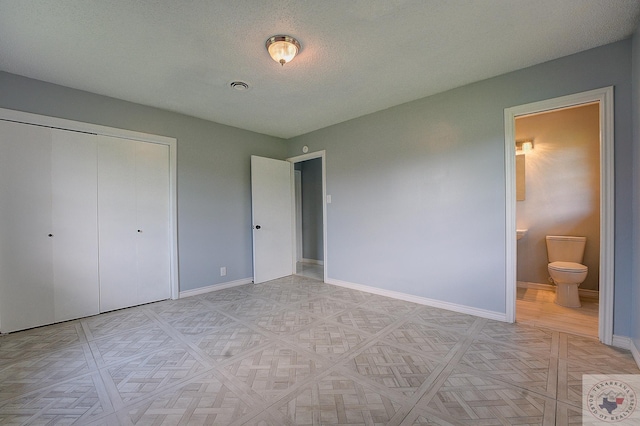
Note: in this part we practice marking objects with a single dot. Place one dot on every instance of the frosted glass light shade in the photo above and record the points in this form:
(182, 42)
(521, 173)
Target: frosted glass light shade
(282, 48)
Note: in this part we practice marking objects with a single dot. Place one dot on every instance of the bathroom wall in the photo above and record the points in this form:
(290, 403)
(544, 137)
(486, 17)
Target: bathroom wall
(562, 188)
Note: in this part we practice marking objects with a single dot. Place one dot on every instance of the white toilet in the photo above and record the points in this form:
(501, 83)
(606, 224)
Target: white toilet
(565, 254)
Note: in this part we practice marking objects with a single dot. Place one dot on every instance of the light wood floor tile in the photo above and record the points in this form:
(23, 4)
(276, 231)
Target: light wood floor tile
(137, 378)
(428, 340)
(364, 320)
(339, 400)
(230, 342)
(328, 339)
(467, 398)
(78, 400)
(536, 371)
(272, 370)
(537, 308)
(394, 367)
(129, 344)
(297, 351)
(442, 318)
(202, 401)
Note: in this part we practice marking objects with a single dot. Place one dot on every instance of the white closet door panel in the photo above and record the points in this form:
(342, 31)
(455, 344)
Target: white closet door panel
(153, 220)
(116, 223)
(26, 288)
(75, 224)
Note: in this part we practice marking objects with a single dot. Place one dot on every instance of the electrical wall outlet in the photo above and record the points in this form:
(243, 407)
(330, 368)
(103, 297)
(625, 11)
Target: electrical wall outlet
(223, 271)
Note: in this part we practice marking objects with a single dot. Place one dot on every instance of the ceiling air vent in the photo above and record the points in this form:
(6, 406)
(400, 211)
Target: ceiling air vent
(240, 86)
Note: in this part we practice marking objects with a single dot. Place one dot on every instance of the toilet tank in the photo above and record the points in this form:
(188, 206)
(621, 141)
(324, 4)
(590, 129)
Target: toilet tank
(562, 248)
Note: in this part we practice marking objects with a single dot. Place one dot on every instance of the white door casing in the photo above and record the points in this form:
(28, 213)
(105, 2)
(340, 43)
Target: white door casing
(604, 97)
(322, 156)
(271, 211)
(298, 206)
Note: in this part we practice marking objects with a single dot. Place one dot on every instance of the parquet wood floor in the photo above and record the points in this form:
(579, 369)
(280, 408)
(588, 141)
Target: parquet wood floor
(296, 351)
(537, 308)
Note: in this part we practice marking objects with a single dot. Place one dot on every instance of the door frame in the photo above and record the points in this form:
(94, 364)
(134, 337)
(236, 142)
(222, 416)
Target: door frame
(78, 126)
(297, 200)
(607, 168)
(293, 160)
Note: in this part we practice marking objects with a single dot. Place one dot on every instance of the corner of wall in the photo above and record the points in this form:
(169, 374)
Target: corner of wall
(635, 137)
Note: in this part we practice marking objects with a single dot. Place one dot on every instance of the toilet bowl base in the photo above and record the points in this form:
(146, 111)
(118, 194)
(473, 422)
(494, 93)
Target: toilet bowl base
(567, 295)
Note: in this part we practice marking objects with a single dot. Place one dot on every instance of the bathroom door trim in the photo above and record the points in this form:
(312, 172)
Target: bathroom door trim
(310, 156)
(604, 97)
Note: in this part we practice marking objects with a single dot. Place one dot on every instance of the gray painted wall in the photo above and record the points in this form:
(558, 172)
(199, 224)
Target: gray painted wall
(418, 189)
(635, 300)
(312, 247)
(418, 198)
(214, 186)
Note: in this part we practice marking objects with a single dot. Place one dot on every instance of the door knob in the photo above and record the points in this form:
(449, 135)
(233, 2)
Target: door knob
(50, 235)
(139, 230)
(257, 226)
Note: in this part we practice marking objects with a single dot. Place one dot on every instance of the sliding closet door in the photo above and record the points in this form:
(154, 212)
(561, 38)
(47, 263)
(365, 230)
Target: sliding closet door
(26, 285)
(133, 211)
(48, 226)
(116, 225)
(74, 212)
(153, 221)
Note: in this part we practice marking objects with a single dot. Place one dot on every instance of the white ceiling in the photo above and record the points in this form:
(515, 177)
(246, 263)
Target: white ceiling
(357, 56)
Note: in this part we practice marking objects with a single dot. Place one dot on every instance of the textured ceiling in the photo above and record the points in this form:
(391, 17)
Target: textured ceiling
(357, 57)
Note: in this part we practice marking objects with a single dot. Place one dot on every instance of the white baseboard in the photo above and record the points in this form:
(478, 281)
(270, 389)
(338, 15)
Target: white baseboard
(215, 287)
(498, 316)
(622, 342)
(635, 351)
(548, 287)
(313, 261)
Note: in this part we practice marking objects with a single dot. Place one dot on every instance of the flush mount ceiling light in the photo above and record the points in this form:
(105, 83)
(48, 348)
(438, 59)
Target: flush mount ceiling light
(282, 48)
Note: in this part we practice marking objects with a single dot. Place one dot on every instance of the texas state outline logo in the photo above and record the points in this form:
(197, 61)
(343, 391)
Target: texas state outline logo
(610, 399)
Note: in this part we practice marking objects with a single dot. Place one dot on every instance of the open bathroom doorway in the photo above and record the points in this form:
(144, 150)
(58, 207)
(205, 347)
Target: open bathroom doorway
(309, 215)
(559, 162)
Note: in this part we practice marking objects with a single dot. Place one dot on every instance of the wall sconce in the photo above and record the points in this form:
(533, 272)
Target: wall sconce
(282, 48)
(524, 146)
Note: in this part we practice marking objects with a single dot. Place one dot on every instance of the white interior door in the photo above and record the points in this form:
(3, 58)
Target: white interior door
(134, 222)
(153, 222)
(26, 285)
(117, 223)
(75, 224)
(271, 206)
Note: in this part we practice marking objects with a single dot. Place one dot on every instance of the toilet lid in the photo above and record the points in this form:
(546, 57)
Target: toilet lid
(568, 267)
